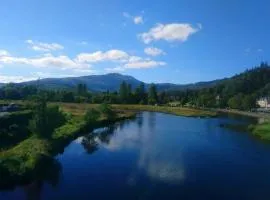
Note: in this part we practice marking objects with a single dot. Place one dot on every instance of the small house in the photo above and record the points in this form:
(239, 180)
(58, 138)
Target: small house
(264, 102)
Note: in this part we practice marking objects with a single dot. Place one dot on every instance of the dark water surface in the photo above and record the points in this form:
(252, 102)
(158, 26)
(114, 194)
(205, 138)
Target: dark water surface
(157, 156)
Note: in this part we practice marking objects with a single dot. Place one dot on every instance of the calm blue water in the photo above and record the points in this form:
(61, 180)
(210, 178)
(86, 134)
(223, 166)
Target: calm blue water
(157, 156)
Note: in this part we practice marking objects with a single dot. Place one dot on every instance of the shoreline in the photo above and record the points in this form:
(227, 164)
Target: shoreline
(245, 113)
(19, 164)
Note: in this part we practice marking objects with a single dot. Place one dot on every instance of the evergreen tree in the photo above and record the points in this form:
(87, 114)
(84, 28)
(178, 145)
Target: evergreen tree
(152, 94)
(123, 92)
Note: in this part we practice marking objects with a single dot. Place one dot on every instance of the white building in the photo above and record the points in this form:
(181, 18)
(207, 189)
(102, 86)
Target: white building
(264, 102)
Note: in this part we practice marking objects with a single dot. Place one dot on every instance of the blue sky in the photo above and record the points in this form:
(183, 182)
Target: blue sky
(178, 41)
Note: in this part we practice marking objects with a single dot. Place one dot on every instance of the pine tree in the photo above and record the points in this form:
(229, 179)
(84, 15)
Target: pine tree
(152, 95)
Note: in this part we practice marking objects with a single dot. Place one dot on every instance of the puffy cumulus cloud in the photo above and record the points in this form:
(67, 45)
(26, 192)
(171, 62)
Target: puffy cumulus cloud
(169, 32)
(40, 46)
(138, 20)
(136, 62)
(47, 60)
(99, 56)
(152, 51)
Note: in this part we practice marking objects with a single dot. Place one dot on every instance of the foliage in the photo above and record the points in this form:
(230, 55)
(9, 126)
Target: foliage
(91, 116)
(261, 130)
(152, 95)
(251, 84)
(107, 111)
(46, 118)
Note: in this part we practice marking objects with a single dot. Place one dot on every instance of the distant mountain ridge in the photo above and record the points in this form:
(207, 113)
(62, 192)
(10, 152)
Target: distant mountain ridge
(109, 82)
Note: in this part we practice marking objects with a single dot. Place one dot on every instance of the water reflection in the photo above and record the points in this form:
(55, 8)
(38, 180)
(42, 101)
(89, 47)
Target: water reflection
(156, 158)
(49, 172)
(89, 143)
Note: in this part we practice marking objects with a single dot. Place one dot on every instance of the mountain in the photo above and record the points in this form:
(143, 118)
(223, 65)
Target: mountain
(111, 82)
(95, 83)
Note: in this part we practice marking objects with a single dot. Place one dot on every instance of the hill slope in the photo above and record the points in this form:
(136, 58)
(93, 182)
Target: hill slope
(111, 82)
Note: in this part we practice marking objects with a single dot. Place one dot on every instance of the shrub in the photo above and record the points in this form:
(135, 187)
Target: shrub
(91, 116)
(107, 111)
(46, 119)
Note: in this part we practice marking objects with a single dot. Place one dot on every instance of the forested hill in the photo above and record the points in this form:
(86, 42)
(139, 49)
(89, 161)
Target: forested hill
(108, 82)
(254, 81)
(239, 91)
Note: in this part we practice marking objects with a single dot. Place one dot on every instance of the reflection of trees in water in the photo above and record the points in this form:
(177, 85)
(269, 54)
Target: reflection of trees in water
(89, 143)
(106, 135)
(49, 171)
(140, 120)
(152, 120)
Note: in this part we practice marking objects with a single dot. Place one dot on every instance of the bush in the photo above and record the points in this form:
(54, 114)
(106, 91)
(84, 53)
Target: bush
(91, 116)
(46, 119)
(107, 111)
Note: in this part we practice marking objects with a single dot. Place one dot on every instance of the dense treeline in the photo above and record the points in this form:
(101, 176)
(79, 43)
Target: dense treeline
(240, 92)
(125, 95)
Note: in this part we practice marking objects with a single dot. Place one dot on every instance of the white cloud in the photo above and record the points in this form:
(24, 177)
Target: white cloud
(115, 69)
(40, 46)
(3, 53)
(99, 56)
(135, 62)
(152, 51)
(15, 79)
(169, 32)
(143, 64)
(48, 60)
(138, 20)
(88, 71)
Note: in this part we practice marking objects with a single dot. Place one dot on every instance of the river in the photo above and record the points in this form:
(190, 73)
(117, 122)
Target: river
(157, 156)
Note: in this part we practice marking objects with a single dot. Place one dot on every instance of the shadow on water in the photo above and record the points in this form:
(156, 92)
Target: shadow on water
(236, 122)
(48, 171)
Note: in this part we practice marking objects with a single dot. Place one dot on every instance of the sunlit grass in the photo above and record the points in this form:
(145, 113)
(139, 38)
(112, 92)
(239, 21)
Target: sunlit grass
(180, 111)
(261, 130)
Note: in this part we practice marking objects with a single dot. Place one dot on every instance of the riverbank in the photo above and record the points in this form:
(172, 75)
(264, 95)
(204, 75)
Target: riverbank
(245, 113)
(179, 111)
(79, 108)
(20, 163)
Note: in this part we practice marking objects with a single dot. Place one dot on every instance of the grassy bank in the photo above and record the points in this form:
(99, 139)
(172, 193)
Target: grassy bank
(22, 162)
(245, 113)
(79, 108)
(261, 130)
(180, 111)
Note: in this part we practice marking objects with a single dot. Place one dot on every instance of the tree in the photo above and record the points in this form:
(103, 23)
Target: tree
(107, 111)
(235, 102)
(81, 89)
(38, 124)
(152, 95)
(45, 118)
(91, 116)
(123, 92)
(248, 102)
